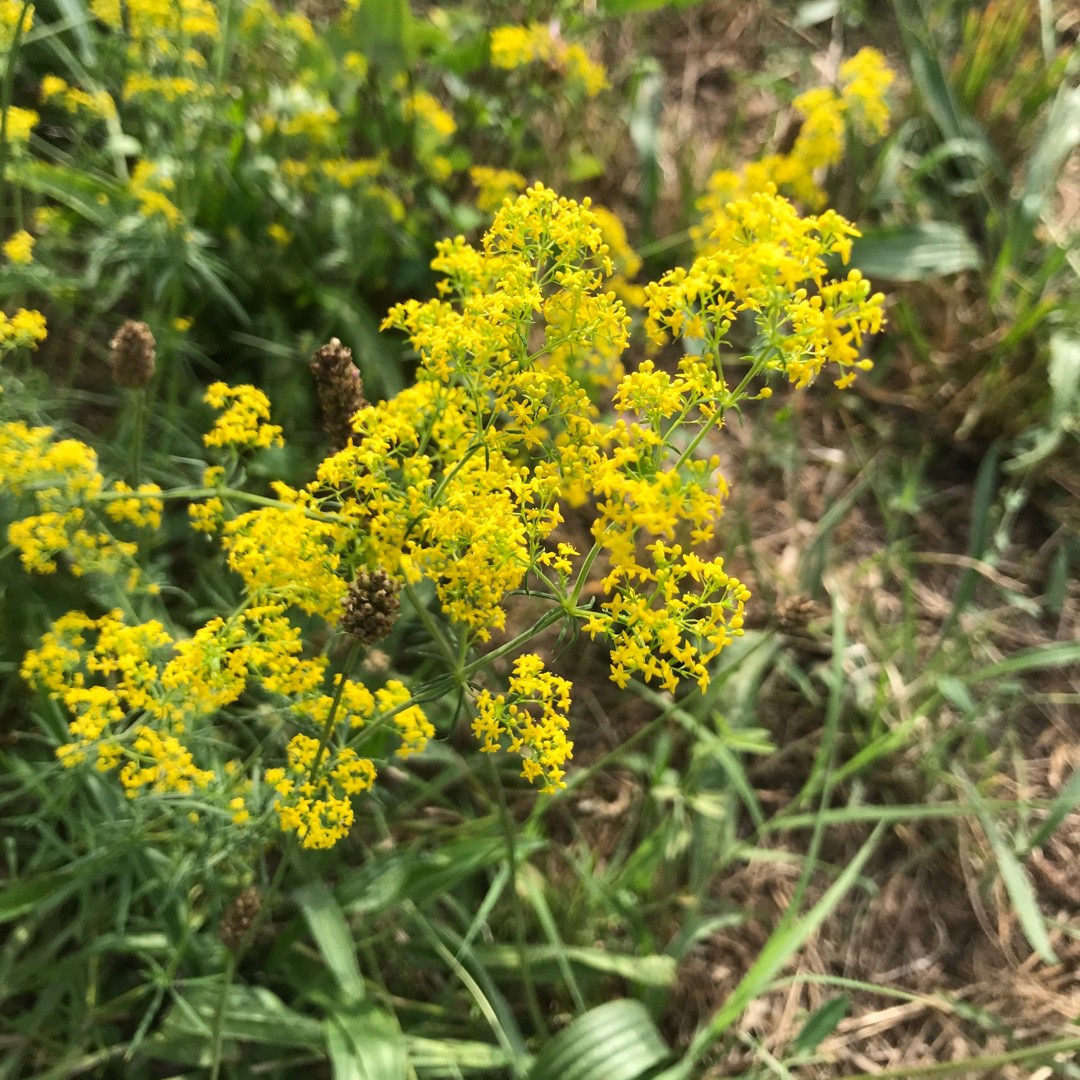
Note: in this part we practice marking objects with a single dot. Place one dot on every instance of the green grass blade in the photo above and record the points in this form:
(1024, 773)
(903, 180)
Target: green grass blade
(1064, 804)
(1017, 885)
(547, 963)
(981, 1066)
(781, 947)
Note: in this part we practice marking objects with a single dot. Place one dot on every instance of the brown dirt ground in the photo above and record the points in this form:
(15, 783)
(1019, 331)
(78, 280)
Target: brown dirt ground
(936, 924)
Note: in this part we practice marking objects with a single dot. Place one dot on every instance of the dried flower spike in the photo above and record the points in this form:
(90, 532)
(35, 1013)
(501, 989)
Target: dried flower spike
(794, 613)
(371, 606)
(341, 390)
(132, 355)
(239, 917)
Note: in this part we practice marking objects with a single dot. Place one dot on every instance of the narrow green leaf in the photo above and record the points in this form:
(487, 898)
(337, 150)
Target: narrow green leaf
(616, 1041)
(1017, 885)
(76, 190)
(36, 894)
(822, 1023)
(544, 962)
(1066, 802)
(328, 927)
(779, 950)
(627, 7)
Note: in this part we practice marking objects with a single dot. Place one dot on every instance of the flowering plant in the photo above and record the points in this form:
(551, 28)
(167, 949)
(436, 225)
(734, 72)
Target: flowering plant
(448, 496)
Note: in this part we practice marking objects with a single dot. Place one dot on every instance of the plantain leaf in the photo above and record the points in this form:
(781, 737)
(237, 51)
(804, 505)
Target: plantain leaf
(616, 1041)
(915, 252)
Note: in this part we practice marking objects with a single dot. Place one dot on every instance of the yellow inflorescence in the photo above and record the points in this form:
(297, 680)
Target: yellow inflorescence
(459, 482)
(860, 103)
(529, 720)
(242, 422)
(518, 46)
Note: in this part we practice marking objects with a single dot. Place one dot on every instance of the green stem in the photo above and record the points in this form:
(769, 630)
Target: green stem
(354, 652)
(217, 1028)
(137, 435)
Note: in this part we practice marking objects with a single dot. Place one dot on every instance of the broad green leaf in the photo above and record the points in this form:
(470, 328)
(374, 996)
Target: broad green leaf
(328, 927)
(388, 35)
(915, 252)
(814, 12)
(616, 1041)
(1064, 374)
(250, 1014)
(1058, 140)
(365, 1043)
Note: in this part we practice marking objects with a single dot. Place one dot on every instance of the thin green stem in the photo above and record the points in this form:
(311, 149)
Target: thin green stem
(355, 649)
(137, 435)
(235, 956)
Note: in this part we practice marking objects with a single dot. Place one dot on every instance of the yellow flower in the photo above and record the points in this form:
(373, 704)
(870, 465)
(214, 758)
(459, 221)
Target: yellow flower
(24, 329)
(20, 122)
(279, 234)
(19, 247)
(242, 422)
(529, 720)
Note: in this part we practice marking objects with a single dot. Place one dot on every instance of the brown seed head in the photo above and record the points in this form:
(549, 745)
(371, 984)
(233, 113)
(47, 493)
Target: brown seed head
(341, 390)
(239, 917)
(131, 356)
(371, 606)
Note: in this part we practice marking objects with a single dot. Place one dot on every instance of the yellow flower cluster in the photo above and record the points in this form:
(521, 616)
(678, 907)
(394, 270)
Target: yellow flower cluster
(529, 720)
(459, 481)
(242, 422)
(764, 258)
(11, 12)
(20, 122)
(160, 23)
(169, 88)
(25, 329)
(517, 46)
(110, 675)
(319, 811)
(494, 186)
(68, 492)
(150, 188)
(19, 247)
(98, 104)
(860, 102)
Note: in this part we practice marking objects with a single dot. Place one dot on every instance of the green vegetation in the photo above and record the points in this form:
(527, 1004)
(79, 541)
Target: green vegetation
(495, 587)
